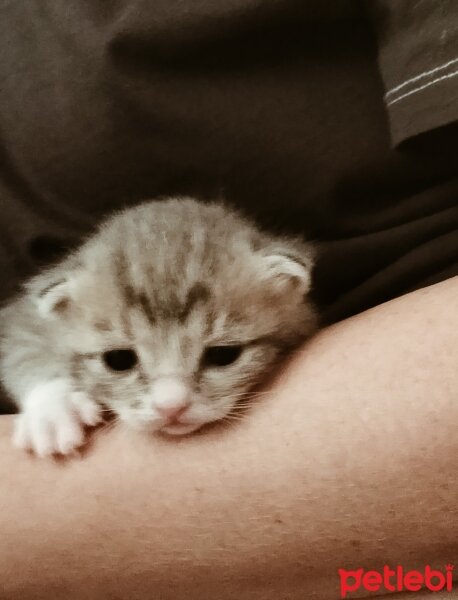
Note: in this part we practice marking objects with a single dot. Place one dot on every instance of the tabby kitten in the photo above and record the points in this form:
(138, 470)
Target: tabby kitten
(167, 315)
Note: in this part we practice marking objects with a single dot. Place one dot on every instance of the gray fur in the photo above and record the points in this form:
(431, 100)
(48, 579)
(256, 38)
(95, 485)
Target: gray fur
(167, 279)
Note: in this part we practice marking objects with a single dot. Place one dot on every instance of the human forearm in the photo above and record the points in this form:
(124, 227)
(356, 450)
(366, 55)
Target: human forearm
(350, 461)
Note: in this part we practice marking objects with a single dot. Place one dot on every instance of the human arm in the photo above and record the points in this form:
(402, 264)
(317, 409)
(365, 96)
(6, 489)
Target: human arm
(349, 461)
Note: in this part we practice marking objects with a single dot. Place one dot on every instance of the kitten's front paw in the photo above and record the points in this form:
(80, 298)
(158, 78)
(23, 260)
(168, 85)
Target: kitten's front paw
(54, 418)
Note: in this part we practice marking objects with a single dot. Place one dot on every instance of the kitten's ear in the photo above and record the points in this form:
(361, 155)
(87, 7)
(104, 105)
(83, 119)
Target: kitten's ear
(54, 300)
(51, 294)
(288, 271)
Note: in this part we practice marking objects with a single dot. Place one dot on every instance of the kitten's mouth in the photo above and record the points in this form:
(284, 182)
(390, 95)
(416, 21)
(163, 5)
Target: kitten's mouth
(177, 428)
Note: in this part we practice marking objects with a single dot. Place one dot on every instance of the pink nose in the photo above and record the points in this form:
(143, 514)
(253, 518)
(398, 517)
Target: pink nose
(170, 397)
(172, 412)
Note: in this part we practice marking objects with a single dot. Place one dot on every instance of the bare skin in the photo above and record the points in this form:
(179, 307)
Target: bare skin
(349, 460)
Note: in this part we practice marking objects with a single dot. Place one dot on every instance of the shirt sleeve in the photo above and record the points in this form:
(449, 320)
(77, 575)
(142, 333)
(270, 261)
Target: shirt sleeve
(418, 60)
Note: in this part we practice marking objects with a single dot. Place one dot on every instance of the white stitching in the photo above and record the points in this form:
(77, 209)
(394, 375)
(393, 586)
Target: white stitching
(417, 77)
(422, 87)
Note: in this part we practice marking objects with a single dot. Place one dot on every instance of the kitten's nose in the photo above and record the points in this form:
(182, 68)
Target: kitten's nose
(171, 397)
(171, 412)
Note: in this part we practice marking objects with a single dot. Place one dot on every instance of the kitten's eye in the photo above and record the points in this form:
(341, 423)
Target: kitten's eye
(221, 356)
(120, 360)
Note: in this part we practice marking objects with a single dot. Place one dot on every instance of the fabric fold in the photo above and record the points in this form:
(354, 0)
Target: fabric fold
(418, 60)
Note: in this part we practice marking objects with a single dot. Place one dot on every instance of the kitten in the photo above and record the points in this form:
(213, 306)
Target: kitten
(168, 315)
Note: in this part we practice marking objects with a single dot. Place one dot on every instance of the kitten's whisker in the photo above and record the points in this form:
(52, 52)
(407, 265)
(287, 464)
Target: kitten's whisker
(112, 423)
(107, 426)
(237, 414)
(142, 413)
(244, 399)
(250, 394)
(233, 418)
(245, 402)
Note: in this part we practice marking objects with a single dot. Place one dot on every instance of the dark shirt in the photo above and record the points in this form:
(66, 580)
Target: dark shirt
(279, 105)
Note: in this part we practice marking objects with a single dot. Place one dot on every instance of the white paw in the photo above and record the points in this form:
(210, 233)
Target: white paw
(53, 419)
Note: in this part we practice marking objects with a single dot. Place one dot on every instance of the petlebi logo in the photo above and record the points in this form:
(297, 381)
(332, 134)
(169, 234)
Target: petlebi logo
(396, 579)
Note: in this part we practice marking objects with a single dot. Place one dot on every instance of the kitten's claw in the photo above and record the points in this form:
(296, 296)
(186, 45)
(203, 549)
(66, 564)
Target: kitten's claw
(20, 435)
(88, 410)
(54, 418)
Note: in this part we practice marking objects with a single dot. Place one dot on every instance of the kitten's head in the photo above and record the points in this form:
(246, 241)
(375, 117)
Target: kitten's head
(174, 310)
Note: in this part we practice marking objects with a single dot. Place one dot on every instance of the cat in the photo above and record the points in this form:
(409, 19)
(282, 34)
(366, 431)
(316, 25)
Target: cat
(167, 316)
